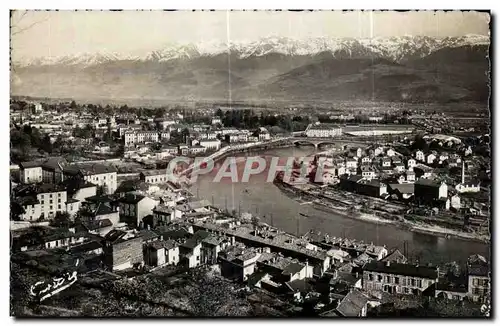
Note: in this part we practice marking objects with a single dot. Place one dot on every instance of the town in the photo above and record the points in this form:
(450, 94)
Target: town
(92, 194)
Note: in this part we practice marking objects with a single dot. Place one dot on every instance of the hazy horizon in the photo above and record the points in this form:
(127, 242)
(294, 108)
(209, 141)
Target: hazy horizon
(36, 34)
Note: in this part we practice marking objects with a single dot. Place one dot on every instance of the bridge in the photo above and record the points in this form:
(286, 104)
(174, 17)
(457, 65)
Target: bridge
(318, 142)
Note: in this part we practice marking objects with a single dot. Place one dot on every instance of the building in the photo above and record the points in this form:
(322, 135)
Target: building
(323, 131)
(210, 144)
(397, 278)
(140, 137)
(134, 207)
(411, 163)
(478, 274)
(197, 149)
(427, 190)
(30, 172)
(154, 176)
(238, 263)
(354, 304)
(43, 201)
(420, 156)
(99, 174)
(52, 170)
(357, 184)
(161, 253)
(468, 187)
(120, 251)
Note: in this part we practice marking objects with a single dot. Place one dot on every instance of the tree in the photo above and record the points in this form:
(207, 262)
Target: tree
(212, 296)
(61, 219)
(73, 105)
(16, 210)
(219, 113)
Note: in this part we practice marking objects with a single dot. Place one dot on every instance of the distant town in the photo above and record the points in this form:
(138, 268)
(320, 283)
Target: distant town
(92, 198)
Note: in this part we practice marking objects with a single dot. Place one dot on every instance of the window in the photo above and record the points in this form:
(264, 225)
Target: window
(412, 282)
(379, 278)
(51, 207)
(388, 279)
(50, 195)
(50, 201)
(475, 282)
(370, 277)
(59, 195)
(59, 206)
(59, 200)
(405, 290)
(419, 283)
(396, 280)
(42, 202)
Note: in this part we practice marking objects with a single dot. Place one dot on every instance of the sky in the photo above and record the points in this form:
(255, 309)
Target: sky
(59, 33)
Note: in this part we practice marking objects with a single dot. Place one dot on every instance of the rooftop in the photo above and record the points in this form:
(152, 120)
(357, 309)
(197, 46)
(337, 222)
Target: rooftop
(402, 269)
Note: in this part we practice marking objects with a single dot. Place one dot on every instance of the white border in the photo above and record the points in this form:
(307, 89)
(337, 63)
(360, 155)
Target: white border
(189, 4)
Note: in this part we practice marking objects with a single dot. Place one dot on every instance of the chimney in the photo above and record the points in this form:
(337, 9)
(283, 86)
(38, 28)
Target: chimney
(463, 172)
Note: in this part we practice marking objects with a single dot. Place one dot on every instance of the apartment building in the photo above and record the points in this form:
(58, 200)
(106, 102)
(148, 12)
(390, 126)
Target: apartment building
(97, 174)
(140, 137)
(397, 278)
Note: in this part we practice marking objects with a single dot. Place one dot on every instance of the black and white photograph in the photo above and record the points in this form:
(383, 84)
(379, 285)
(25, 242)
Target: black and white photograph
(250, 163)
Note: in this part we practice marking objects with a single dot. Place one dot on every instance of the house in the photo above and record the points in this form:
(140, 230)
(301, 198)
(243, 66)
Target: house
(99, 174)
(395, 257)
(420, 156)
(162, 215)
(140, 136)
(238, 263)
(100, 227)
(410, 176)
(359, 152)
(190, 253)
(80, 189)
(154, 176)
(216, 121)
(397, 278)
(478, 274)
(149, 236)
(431, 158)
(72, 207)
(87, 248)
(351, 163)
(378, 150)
(52, 170)
(161, 253)
(368, 172)
(427, 190)
(354, 304)
(411, 163)
(120, 251)
(366, 160)
(455, 202)
(399, 167)
(390, 152)
(134, 207)
(101, 211)
(386, 162)
(450, 290)
(262, 134)
(30, 172)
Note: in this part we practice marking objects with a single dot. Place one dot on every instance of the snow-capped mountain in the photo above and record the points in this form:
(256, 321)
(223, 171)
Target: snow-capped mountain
(393, 48)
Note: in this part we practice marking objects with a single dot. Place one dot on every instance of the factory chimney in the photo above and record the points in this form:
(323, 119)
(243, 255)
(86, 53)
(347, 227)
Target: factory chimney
(463, 172)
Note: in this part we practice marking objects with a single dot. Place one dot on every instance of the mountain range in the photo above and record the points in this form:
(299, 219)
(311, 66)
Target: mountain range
(404, 68)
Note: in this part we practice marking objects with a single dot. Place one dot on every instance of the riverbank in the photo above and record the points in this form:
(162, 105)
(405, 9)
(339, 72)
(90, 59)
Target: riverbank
(322, 204)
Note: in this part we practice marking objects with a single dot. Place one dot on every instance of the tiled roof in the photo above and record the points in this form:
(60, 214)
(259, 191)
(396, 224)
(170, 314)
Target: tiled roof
(352, 304)
(402, 269)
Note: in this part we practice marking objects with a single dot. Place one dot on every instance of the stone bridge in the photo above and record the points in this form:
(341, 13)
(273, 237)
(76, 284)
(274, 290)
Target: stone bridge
(316, 142)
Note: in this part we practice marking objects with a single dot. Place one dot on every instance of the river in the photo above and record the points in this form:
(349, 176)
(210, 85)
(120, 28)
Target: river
(265, 200)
